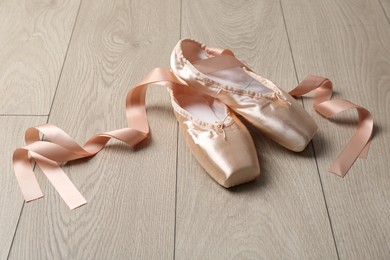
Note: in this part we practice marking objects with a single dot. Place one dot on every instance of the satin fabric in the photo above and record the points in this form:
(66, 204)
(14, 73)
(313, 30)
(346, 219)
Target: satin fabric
(224, 149)
(359, 143)
(58, 147)
(292, 127)
(276, 114)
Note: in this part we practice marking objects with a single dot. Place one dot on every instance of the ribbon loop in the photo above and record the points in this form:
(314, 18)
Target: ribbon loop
(60, 147)
(218, 51)
(358, 145)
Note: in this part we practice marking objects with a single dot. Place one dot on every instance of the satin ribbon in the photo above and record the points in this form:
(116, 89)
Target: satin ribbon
(58, 147)
(358, 145)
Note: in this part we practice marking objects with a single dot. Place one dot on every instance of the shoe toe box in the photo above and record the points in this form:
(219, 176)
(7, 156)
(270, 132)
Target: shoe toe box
(229, 157)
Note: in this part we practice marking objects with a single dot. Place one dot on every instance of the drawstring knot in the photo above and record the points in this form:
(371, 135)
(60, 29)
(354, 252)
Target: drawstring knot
(221, 126)
(281, 100)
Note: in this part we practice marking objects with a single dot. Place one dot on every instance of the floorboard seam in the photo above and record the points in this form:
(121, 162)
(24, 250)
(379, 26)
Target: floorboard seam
(16, 228)
(63, 64)
(177, 168)
(177, 149)
(384, 11)
(47, 120)
(312, 143)
(326, 203)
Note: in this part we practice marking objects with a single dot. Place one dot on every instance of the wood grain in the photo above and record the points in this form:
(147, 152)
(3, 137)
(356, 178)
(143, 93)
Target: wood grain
(131, 192)
(386, 8)
(282, 215)
(130, 213)
(34, 36)
(349, 42)
(11, 199)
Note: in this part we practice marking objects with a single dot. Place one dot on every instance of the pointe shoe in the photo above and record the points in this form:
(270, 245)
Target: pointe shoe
(218, 140)
(216, 137)
(217, 73)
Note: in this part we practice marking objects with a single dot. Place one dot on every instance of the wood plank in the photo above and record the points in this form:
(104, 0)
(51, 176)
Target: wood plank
(34, 37)
(386, 8)
(282, 215)
(349, 42)
(131, 193)
(11, 199)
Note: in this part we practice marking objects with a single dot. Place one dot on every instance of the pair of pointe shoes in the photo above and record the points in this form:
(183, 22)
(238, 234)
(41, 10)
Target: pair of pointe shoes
(208, 86)
(215, 86)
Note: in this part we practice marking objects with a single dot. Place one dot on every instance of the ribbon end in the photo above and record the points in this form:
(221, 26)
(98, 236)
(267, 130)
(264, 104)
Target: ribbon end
(73, 199)
(33, 197)
(77, 204)
(337, 171)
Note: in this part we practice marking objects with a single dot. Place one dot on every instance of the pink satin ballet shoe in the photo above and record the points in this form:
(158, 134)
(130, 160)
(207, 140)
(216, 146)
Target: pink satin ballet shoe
(216, 137)
(218, 140)
(217, 73)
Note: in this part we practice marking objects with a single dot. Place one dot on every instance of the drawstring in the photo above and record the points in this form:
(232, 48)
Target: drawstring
(221, 126)
(280, 99)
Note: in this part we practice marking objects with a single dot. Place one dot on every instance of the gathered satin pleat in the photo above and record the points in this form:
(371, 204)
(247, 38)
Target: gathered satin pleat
(59, 147)
(359, 143)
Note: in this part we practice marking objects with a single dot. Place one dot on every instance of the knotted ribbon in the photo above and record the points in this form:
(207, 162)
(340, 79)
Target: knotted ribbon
(357, 146)
(58, 147)
(359, 143)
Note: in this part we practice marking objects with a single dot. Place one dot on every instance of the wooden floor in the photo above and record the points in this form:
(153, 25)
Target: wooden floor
(70, 63)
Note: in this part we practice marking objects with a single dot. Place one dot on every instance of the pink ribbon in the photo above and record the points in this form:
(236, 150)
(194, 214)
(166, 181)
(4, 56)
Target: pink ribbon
(58, 147)
(359, 143)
